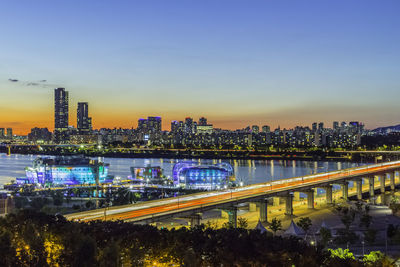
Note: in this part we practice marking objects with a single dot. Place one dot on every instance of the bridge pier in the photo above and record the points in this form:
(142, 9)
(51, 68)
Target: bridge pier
(264, 210)
(392, 180)
(195, 220)
(252, 206)
(382, 183)
(328, 193)
(371, 181)
(289, 205)
(276, 201)
(296, 196)
(359, 189)
(232, 216)
(310, 199)
(345, 190)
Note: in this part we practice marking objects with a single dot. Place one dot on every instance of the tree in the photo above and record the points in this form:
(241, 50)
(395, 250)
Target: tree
(58, 198)
(341, 254)
(347, 219)
(243, 222)
(377, 258)
(89, 204)
(275, 225)
(370, 236)
(38, 203)
(366, 220)
(326, 235)
(305, 223)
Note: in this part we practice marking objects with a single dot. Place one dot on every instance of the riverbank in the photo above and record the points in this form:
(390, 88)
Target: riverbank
(186, 153)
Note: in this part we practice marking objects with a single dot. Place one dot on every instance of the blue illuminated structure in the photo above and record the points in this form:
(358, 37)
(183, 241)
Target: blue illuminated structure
(65, 171)
(193, 175)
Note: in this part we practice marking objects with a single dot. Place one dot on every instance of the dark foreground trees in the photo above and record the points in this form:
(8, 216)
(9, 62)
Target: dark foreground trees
(35, 239)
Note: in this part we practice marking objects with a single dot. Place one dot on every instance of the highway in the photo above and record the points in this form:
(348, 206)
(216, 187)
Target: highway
(156, 208)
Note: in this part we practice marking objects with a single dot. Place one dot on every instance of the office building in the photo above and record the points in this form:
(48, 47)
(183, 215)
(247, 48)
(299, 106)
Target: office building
(84, 122)
(266, 129)
(202, 121)
(255, 129)
(60, 115)
(60, 109)
(9, 133)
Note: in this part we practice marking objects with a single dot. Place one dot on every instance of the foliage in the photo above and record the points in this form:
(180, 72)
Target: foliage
(365, 220)
(340, 253)
(305, 223)
(275, 225)
(242, 222)
(345, 236)
(377, 258)
(29, 238)
(58, 198)
(326, 235)
(370, 236)
(38, 203)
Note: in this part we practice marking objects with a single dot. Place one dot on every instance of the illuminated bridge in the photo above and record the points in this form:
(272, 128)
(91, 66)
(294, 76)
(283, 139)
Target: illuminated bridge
(378, 177)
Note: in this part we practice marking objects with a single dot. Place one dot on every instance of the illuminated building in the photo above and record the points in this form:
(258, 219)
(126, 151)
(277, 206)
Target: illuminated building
(84, 122)
(193, 175)
(65, 171)
(9, 133)
(154, 125)
(148, 172)
(1, 132)
(255, 129)
(60, 114)
(202, 121)
(204, 129)
(39, 135)
(266, 129)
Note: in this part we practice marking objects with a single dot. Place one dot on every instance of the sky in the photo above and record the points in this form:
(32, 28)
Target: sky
(237, 63)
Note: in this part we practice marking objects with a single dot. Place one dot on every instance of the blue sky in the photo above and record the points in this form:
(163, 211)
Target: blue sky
(236, 62)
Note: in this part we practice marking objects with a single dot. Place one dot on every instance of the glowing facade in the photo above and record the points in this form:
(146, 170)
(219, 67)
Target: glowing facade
(193, 175)
(65, 171)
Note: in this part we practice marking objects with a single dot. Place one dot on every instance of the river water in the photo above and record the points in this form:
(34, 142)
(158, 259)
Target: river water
(248, 171)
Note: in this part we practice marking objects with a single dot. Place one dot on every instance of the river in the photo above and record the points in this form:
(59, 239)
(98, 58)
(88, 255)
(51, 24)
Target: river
(248, 171)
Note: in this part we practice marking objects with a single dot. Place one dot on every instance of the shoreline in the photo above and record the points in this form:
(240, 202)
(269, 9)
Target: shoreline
(201, 154)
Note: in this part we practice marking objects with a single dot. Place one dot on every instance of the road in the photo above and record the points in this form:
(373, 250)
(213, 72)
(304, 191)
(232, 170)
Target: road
(150, 209)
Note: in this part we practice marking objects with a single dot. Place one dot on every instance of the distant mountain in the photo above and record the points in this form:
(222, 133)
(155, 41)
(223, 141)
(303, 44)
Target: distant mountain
(387, 129)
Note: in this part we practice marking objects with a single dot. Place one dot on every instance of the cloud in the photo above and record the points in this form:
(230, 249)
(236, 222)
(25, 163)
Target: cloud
(32, 84)
(43, 81)
(13, 80)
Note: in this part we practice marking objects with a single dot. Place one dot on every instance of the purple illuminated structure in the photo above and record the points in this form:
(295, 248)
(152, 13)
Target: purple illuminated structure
(193, 175)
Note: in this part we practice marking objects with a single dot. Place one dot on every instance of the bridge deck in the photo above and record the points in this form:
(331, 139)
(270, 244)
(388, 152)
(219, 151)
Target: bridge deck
(156, 209)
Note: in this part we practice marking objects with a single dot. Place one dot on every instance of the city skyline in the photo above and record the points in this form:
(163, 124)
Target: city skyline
(237, 64)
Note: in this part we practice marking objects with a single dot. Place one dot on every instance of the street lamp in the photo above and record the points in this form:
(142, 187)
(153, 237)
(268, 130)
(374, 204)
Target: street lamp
(362, 242)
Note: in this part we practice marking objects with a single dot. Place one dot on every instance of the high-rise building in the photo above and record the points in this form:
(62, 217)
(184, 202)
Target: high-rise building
(60, 109)
(1, 132)
(266, 129)
(320, 126)
(60, 115)
(154, 124)
(174, 126)
(142, 125)
(202, 121)
(335, 125)
(83, 120)
(314, 127)
(9, 133)
(255, 129)
(188, 125)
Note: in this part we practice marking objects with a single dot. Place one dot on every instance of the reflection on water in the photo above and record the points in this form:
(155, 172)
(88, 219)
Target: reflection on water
(250, 171)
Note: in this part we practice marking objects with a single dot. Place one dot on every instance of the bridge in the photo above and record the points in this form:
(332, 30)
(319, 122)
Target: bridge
(190, 206)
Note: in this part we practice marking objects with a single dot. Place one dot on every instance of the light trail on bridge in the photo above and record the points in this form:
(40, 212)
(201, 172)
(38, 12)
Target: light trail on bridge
(150, 209)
